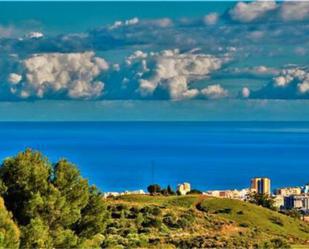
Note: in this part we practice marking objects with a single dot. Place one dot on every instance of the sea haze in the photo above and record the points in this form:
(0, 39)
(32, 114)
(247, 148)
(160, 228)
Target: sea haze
(120, 156)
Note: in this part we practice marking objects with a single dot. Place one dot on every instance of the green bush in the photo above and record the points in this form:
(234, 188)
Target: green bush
(224, 211)
(276, 220)
(170, 220)
(280, 243)
(243, 224)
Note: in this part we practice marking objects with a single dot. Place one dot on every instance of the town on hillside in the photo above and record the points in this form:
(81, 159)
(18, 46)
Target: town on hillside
(283, 199)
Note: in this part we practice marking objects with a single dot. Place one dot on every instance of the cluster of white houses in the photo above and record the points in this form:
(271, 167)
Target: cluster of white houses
(284, 198)
(293, 198)
(182, 189)
(258, 184)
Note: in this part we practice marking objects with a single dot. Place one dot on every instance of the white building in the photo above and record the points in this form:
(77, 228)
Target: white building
(279, 201)
(184, 188)
(114, 194)
(231, 194)
(288, 191)
(296, 201)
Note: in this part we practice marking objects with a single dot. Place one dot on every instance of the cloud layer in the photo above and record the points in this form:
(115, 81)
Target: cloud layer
(252, 50)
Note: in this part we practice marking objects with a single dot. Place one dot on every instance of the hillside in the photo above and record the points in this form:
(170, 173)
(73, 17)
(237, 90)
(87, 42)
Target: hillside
(200, 222)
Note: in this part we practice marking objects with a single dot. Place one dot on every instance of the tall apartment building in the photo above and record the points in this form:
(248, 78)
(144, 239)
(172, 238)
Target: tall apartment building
(260, 185)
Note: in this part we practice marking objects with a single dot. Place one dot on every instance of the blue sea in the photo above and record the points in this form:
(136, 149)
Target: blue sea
(119, 156)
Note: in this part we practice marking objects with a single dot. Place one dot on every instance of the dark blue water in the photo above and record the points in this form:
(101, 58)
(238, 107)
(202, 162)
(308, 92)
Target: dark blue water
(118, 155)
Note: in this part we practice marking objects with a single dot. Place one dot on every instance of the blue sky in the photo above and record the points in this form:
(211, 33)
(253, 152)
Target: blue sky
(154, 60)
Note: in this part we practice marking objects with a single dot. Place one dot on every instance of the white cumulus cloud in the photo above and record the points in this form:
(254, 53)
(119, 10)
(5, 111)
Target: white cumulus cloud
(70, 75)
(291, 83)
(287, 76)
(214, 92)
(211, 18)
(14, 78)
(34, 35)
(172, 71)
(251, 11)
(285, 11)
(294, 10)
(245, 92)
(129, 22)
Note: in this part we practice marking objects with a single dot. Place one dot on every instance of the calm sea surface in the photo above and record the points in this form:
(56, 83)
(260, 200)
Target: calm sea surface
(130, 155)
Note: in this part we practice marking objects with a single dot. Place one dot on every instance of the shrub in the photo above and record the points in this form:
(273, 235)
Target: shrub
(194, 192)
(279, 243)
(151, 222)
(263, 200)
(156, 211)
(170, 220)
(154, 189)
(244, 224)
(224, 211)
(183, 223)
(276, 220)
(199, 206)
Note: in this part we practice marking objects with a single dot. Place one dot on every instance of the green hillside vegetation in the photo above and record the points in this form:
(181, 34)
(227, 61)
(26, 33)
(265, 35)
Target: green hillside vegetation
(199, 222)
(45, 205)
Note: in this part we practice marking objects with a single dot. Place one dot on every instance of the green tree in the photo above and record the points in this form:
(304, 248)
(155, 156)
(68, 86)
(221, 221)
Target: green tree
(170, 190)
(73, 188)
(93, 216)
(154, 189)
(54, 205)
(263, 200)
(24, 175)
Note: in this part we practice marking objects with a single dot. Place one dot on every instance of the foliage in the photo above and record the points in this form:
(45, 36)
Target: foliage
(154, 189)
(53, 205)
(170, 191)
(295, 213)
(279, 243)
(263, 200)
(276, 220)
(36, 235)
(194, 192)
(9, 232)
(167, 191)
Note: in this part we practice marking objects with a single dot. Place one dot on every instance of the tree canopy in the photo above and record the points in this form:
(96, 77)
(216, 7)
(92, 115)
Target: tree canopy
(53, 206)
(263, 200)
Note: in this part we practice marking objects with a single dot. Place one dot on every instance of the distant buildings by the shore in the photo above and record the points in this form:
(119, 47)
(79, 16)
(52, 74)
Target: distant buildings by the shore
(285, 198)
(231, 194)
(114, 194)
